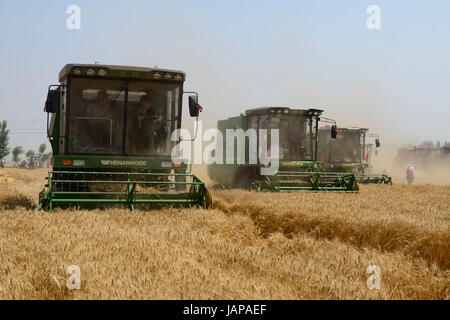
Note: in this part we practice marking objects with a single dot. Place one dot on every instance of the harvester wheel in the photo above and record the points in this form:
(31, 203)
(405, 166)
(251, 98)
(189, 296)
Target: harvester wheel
(43, 201)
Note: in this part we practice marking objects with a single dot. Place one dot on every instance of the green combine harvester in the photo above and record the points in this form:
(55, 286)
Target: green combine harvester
(110, 130)
(350, 153)
(298, 168)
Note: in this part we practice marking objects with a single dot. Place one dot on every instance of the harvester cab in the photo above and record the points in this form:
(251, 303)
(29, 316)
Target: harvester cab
(371, 145)
(346, 152)
(350, 152)
(110, 128)
(298, 168)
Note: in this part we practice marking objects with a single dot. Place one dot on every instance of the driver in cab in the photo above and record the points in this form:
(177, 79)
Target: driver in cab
(99, 117)
(143, 124)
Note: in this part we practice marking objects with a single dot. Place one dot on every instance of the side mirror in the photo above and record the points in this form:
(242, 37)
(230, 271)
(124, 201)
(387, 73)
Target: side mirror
(333, 131)
(193, 106)
(52, 102)
(377, 142)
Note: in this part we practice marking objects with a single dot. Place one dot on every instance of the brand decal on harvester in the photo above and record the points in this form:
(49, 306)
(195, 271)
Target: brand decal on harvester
(123, 163)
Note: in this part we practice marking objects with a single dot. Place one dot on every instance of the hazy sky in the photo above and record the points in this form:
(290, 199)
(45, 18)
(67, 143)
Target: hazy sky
(243, 54)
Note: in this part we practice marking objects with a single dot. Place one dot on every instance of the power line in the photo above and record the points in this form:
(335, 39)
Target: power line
(27, 131)
(15, 133)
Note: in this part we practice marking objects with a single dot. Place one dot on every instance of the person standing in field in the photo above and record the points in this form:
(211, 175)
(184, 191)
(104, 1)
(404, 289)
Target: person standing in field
(410, 174)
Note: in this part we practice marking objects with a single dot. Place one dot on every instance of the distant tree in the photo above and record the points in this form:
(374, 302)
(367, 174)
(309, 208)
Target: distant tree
(427, 144)
(17, 151)
(438, 144)
(41, 149)
(4, 139)
(30, 154)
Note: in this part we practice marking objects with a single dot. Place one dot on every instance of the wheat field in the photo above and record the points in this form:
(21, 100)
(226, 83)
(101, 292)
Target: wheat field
(249, 246)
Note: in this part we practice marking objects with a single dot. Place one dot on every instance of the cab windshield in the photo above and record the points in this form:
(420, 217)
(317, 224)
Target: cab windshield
(346, 148)
(122, 117)
(294, 134)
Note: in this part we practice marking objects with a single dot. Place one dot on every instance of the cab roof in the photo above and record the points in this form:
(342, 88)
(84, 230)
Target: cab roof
(343, 130)
(118, 71)
(283, 110)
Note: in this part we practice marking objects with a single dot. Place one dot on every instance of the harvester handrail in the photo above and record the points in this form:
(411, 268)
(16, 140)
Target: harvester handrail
(109, 193)
(54, 195)
(125, 201)
(295, 174)
(313, 174)
(126, 173)
(127, 182)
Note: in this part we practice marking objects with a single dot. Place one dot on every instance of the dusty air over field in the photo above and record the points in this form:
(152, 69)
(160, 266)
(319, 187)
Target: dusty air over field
(225, 151)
